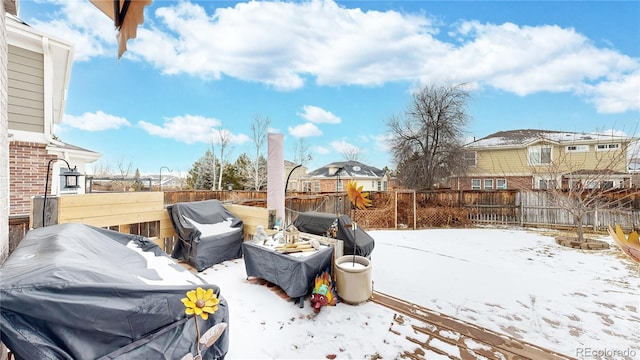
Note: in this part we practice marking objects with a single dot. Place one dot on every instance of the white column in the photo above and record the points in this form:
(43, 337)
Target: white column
(275, 175)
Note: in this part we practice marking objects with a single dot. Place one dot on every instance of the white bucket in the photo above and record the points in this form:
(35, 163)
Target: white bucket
(353, 279)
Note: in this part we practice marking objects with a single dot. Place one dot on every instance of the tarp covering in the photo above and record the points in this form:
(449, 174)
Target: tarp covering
(294, 273)
(319, 224)
(73, 291)
(208, 233)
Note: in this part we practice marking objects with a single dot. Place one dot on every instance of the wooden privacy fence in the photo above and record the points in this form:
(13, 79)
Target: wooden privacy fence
(438, 208)
(144, 213)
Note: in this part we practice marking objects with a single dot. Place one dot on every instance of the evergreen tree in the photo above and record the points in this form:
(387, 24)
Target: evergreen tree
(137, 183)
(200, 176)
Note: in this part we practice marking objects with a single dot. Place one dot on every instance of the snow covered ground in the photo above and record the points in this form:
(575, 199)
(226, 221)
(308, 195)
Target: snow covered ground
(514, 281)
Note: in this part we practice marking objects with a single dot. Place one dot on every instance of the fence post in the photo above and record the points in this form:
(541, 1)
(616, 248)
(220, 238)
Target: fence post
(521, 214)
(396, 212)
(415, 209)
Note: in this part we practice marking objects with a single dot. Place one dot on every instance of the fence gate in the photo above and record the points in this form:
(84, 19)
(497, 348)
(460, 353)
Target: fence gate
(405, 209)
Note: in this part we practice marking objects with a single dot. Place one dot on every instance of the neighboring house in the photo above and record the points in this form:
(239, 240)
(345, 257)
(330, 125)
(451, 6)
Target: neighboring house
(634, 170)
(335, 176)
(169, 182)
(537, 159)
(294, 174)
(39, 68)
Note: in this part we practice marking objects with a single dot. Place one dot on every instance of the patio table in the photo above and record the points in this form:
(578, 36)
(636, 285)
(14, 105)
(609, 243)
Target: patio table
(295, 273)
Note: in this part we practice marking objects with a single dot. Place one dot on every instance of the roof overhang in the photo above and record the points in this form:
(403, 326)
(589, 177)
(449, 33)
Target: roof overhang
(58, 60)
(126, 16)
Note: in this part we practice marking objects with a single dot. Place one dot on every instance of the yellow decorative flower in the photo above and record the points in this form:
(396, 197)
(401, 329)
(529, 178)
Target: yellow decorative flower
(357, 197)
(200, 302)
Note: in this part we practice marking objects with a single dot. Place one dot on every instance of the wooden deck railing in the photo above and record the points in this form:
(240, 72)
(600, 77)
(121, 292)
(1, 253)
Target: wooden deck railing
(125, 212)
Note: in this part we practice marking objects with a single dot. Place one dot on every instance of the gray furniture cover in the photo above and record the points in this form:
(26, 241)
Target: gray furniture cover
(319, 223)
(208, 233)
(295, 275)
(72, 291)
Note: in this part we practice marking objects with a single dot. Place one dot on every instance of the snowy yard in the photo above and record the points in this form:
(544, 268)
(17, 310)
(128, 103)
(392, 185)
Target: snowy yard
(518, 282)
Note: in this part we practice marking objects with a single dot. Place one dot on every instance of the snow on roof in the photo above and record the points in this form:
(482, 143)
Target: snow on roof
(528, 136)
(353, 169)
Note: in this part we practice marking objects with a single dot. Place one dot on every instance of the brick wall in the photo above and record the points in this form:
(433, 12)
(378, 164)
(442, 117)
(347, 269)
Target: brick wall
(28, 169)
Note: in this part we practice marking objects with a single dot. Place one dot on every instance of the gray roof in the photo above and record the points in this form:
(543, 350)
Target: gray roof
(351, 168)
(518, 138)
(66, 146)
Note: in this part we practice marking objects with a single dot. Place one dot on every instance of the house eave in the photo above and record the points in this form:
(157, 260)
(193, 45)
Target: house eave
(58, 60)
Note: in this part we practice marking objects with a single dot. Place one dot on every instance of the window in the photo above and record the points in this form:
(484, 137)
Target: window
(316, 186)
(605, 147)
(501, 184)
(542, 184)
(306, 186)
(546, 184)
(488, 184)
(540, 155)
(475, 184)
(379, 185)
(384, 185)
(339, 185)
(470, 158)
(577, 148)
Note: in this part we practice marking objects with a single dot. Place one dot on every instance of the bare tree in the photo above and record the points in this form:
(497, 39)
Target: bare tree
(102, 169)
(259, 129)
(213, 165)
(583, 182)
(301, 152)
(124, 168)
(224, 139)
(427, 141)
(351, 153)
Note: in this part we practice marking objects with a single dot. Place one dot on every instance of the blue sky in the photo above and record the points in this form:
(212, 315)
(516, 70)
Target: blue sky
(332, 73)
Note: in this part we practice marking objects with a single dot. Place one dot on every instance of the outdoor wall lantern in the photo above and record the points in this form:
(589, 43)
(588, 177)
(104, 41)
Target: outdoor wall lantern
(70, 182)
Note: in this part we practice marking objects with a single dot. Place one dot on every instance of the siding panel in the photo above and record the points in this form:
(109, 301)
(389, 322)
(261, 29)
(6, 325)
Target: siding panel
(25, 90)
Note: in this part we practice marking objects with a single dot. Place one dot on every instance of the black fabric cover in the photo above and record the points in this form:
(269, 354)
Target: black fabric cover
(295, 275)
(73, 291)
(205, 250)
(319, 223)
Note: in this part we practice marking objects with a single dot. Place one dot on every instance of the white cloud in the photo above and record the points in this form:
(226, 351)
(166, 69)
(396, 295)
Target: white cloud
(318, 115)
(223, 134)
(284, 44)
(90, 31)
(382, 142)
(342, 146)
(525, 60)
(289, 41)
(321, 150)
(188, 129)
(97, 121)
(304, 130)
(619, 95)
